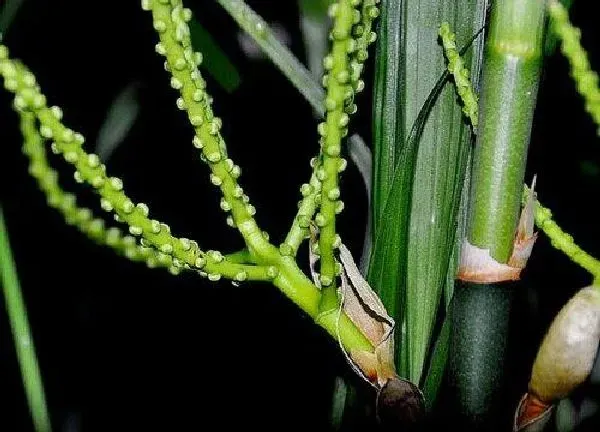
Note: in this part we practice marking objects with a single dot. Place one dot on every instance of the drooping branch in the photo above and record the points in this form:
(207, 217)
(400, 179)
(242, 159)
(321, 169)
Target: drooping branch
(89, 169)
(80, 217)
(170, 22)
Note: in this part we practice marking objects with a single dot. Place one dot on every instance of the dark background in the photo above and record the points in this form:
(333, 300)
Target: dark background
(125, 347)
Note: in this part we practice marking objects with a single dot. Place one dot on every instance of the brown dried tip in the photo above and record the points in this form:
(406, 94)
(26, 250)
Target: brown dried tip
(400, 405)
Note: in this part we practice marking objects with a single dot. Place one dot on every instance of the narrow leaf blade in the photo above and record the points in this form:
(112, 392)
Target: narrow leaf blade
(23, 340)
(435, 373)
(415, 230)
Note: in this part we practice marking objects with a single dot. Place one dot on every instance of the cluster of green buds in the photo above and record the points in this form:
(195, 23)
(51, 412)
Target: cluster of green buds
(175, 253)
(575, 332)
(82, 218)
(350, 37)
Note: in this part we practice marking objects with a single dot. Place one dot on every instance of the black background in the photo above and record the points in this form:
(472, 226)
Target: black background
(125, 347)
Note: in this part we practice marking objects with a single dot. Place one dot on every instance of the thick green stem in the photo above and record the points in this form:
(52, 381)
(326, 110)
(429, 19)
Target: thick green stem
(24, 346)
(560, 239)
(511, 72)
(479, 315)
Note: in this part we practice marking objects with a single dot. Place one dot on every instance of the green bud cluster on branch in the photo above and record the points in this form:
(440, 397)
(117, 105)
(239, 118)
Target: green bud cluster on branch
(564, 242)
(361, 37)
(170, 22)
(89, 169)
(350, 38)
(150, 240)
(82, 218)
(461, 74)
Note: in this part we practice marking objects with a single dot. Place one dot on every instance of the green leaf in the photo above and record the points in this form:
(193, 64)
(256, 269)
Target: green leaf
(363, 159)
(435, 373)
(417, 183)
(23, 340)
(388, 127)
(439, 355)
(387, 247)
(215, 61)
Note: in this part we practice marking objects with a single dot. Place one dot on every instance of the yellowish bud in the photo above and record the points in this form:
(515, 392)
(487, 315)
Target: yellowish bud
(566, 356)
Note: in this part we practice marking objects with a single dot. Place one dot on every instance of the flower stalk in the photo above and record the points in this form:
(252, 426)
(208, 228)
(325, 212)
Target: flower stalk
(339, 91)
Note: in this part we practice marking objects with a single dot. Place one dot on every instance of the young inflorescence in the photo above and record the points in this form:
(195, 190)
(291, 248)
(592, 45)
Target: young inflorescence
(150, 240)
(351, 34)
(170, 22)
(89, 169)
(460, 74)
(80, 217)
